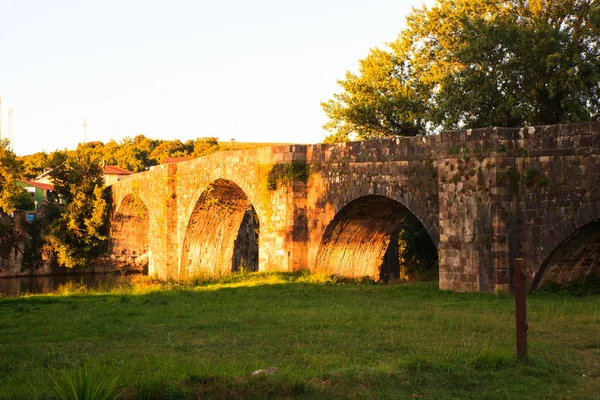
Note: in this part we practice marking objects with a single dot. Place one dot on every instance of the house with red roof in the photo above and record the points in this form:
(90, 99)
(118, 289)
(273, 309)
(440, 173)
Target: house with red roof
(40, 193)
(113, 174)
(45, 177)
(42, 188)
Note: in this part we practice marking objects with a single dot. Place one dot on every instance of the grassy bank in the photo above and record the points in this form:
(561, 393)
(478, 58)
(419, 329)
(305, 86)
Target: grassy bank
(326, 339)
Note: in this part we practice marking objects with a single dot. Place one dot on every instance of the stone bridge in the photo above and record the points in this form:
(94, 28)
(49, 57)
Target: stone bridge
(485, 196)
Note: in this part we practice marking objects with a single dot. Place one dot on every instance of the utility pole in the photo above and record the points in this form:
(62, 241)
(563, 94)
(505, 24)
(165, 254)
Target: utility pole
(10, 128)
(84, 131)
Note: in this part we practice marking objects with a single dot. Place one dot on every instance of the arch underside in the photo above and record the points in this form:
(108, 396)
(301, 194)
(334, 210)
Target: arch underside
(357, 241)
(576, 257)
(130, 235)
(221, 236)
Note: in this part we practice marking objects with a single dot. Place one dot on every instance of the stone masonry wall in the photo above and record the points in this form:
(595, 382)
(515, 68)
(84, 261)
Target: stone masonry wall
(152, 190)
(171, 194)
(401, 169)
(513, 193)
(485, 197)
(557, 192)
(129, 235)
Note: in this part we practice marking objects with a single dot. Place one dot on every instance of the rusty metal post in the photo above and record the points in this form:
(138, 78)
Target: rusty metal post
(521, 307)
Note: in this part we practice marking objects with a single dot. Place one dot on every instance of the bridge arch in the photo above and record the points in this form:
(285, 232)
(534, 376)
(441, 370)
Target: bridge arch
(361, 239)
(221, 235)
(424, 207)
(571, 250)
(130, 228)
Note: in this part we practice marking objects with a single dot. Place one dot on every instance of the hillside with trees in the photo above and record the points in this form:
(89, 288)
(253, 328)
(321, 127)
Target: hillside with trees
(133, 154)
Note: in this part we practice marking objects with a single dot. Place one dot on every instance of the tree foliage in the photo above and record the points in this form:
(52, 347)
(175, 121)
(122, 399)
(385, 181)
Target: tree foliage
(476, 63)
(11, 168)
(378, 102)
(418, 254)
(133, 154)
(79, 235)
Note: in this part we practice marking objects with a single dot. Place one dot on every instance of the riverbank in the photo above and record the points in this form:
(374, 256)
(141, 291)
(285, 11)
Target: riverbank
(326, 339)
(41, 284)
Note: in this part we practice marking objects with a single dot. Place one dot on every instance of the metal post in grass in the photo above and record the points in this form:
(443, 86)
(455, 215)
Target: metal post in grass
(521, 307)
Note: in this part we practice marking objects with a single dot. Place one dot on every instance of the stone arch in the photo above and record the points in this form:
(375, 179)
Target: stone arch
(359, 239)
(575, 257)
(427, 214)
(561, 252)
(130, 227)
(222, 233)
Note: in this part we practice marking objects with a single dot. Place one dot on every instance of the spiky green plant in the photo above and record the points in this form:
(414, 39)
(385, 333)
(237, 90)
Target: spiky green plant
(87, 384)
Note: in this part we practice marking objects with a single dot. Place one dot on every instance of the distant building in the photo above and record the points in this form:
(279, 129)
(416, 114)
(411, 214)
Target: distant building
(45, 177)
(40, 193)
(113, 174)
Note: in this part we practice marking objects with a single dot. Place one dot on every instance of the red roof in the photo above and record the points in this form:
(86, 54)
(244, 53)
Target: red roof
(44, 186)
(172, 160)
(114, 170)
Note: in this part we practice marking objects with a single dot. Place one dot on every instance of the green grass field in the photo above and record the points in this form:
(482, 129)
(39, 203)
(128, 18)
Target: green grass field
(327, 339)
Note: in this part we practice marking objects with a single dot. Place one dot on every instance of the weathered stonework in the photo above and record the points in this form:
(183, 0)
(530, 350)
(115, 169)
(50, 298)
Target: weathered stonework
(485, 197)
(129, 235)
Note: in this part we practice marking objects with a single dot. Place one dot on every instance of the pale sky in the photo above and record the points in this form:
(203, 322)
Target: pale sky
(180, 69)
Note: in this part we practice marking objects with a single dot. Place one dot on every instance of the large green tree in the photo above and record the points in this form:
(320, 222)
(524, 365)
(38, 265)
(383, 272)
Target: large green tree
(79, 235)
(476, 63)
(380, 101)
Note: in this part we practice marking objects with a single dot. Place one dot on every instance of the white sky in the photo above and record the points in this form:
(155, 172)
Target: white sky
(253, 70)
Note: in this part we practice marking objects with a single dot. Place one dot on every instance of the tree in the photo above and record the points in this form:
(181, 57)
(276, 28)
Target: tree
(476, 63)
(126, 155)
(11, 169)
(379, 102)
(174, 148)
(79, 235)
(34, 164)
(204, 146)
(418, 255)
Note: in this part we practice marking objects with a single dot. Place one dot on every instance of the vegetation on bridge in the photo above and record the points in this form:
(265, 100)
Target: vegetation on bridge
(327, 339)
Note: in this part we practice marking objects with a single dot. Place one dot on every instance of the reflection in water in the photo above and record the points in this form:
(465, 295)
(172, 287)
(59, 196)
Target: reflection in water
(46, 284)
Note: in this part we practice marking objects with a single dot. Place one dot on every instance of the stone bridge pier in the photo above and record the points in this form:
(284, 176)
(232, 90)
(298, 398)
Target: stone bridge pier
(485, 197)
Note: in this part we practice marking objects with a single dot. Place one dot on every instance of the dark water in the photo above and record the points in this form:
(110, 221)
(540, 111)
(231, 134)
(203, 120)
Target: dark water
(46, 284)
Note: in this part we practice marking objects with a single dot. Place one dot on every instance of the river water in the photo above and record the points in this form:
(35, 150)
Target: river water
(47, 284)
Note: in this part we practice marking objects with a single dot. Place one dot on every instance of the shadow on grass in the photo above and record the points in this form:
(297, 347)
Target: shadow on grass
(414, 379)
